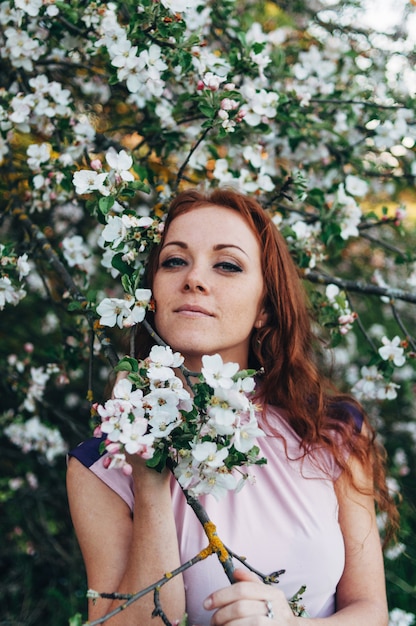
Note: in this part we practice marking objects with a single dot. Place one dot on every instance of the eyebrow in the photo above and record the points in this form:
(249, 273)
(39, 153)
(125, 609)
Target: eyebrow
(218, 246)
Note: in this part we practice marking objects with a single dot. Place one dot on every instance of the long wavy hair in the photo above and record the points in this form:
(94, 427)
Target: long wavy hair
(285, 350)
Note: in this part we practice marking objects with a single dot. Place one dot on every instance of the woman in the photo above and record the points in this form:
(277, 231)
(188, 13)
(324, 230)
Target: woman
(223, 282)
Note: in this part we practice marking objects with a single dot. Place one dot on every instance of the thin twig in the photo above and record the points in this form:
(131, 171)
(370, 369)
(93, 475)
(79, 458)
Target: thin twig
(192, 150)
(268, 579)
(384, 244)
(361, 325)
(131, 598)
(402, 326)
(158, 610)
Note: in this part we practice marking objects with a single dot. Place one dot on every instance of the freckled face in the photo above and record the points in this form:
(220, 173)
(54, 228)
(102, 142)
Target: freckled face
(208, 286)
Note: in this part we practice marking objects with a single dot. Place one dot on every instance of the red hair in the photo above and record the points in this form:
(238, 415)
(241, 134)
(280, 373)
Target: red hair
(284, 348)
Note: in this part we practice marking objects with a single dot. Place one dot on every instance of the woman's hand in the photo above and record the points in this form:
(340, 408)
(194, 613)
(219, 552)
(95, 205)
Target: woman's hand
(248, 602)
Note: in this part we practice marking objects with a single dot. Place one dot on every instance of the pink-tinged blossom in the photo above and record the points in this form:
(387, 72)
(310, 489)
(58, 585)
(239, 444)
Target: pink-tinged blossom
(9, 294)
(118, 461)
(212, 81)
(96, 165)
(36, 436)
(227, 104)
(392, 351)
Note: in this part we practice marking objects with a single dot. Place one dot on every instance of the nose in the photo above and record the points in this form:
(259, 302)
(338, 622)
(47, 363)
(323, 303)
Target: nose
(195, 281)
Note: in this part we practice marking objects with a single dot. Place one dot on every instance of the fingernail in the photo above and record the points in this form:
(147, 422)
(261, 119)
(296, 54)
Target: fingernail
(207, 603)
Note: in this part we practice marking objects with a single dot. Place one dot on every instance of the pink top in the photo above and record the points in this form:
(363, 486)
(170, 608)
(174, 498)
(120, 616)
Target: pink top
(287, 519)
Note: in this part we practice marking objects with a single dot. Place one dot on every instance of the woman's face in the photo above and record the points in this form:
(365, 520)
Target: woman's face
(208, 286)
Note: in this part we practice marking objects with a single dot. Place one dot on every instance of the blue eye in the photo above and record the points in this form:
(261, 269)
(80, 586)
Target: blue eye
(173, 262)
(226, 266)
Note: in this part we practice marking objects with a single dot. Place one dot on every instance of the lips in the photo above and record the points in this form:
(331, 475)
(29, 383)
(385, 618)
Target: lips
(193, 310)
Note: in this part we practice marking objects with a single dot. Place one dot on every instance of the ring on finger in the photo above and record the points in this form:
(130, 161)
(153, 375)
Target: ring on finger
(269, 609)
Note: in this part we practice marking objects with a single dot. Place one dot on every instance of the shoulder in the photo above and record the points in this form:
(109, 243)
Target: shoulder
(88, 452)
(87, 459)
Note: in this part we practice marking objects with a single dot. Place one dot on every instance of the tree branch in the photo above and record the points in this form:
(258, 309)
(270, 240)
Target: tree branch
(358, 287)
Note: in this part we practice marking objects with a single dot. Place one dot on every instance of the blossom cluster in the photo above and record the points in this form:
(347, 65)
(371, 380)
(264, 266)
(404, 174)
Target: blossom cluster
(124, 312)
(376, 380)
(34, 435)
(13, 268)
(203, 437)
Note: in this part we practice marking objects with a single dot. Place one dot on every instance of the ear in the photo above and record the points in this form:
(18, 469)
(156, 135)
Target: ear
(262, 318)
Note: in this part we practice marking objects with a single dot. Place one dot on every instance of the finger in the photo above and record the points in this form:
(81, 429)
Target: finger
(250, 612)
(247, 586)
(246, 575)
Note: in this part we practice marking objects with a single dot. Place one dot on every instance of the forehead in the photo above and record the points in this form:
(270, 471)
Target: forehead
(211, 222)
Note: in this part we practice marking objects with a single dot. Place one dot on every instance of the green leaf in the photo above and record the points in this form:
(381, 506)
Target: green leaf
(75, 306)
(120, 265)
(158, 461)
(127, 364)
(139, 185)
(127, 284)
(105, 204)
(208, 111)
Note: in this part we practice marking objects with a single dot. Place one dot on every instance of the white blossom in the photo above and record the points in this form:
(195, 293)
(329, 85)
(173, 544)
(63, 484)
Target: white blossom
(217, 373)
(75, 250)
(391, 351)
(86, 181)
(120, 162)
(356, 186)
(245, 436)
(38, 154)
(113, 311)
(178, 6)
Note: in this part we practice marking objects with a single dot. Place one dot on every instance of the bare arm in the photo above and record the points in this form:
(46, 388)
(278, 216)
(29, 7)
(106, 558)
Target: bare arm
(361, 598)
(124, 554)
